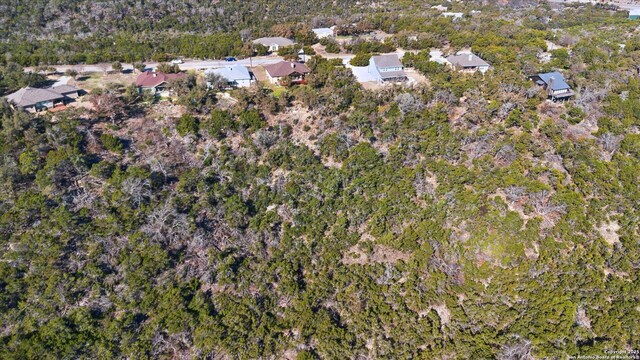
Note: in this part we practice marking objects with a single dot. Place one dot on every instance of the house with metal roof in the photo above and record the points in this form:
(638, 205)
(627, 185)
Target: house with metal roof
(235, 75)
(468, 62)
(273, 43)
(385, 68)
(41, 99)
(555, 85)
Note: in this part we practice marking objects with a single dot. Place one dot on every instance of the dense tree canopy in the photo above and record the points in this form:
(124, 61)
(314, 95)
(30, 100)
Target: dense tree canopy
(463, 217)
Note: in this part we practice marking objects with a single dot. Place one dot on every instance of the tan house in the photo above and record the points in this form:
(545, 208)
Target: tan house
(290, 70)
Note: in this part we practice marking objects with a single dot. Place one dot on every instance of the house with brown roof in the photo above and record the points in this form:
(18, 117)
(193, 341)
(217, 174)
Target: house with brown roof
(294, 72)
(468, 62)
(41, 99)
(385, 68)
(155, 82)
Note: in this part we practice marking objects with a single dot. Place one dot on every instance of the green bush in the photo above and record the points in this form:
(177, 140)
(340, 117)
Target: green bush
(188, 125)
(252, 120)
(111, 142)
(219, 123)
(361, 59)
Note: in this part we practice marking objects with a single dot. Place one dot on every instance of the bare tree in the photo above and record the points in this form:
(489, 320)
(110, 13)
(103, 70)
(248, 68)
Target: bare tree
(610, 143)
(107, 105)
(138, 189)
(215, 81)
(165, 225)
(582, 319)
(545, 208)
(445, 97)
(520, 350)
(408, 102)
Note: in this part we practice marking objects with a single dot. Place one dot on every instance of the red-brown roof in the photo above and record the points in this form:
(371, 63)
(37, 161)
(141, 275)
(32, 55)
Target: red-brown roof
(286, 68)
(152, 79)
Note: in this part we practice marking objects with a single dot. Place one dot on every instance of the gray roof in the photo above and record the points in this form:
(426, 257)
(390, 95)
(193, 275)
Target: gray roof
(29, 96)
(466, 60)
(232, 73)
(558, 80)
(268, 41)
(65, 89)
(385, 61)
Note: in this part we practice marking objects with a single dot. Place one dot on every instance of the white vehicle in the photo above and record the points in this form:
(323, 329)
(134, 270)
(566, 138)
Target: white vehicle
(177, 61)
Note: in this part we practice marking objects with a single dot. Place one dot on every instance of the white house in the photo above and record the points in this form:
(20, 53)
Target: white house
(273, 43)
(454, 15)
(322, 33)
(386, 68)
(236, 75)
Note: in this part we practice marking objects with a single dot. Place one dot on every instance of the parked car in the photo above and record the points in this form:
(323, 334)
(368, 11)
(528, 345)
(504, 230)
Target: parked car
(177, 61)
(231, 58)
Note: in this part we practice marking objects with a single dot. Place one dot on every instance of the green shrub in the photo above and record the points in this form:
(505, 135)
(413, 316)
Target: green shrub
(361, 59)
(188, 125)
(111, 142)
(252, 120)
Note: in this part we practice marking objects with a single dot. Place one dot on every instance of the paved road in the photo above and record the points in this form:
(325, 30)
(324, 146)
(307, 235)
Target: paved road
(187, 65)
(198, 64)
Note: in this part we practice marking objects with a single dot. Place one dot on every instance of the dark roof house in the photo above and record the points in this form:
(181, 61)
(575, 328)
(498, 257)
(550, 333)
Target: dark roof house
(557, 88)
(294, 70)
(37, 99)
(155, 81)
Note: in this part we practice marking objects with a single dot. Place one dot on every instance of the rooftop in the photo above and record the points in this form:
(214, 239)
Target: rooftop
(386, 61)
(231, 73)
(268, 41)
(558, 82)
(323, 31)
(152, 79)
(466, 60)
(286, 68)
(29, 96)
